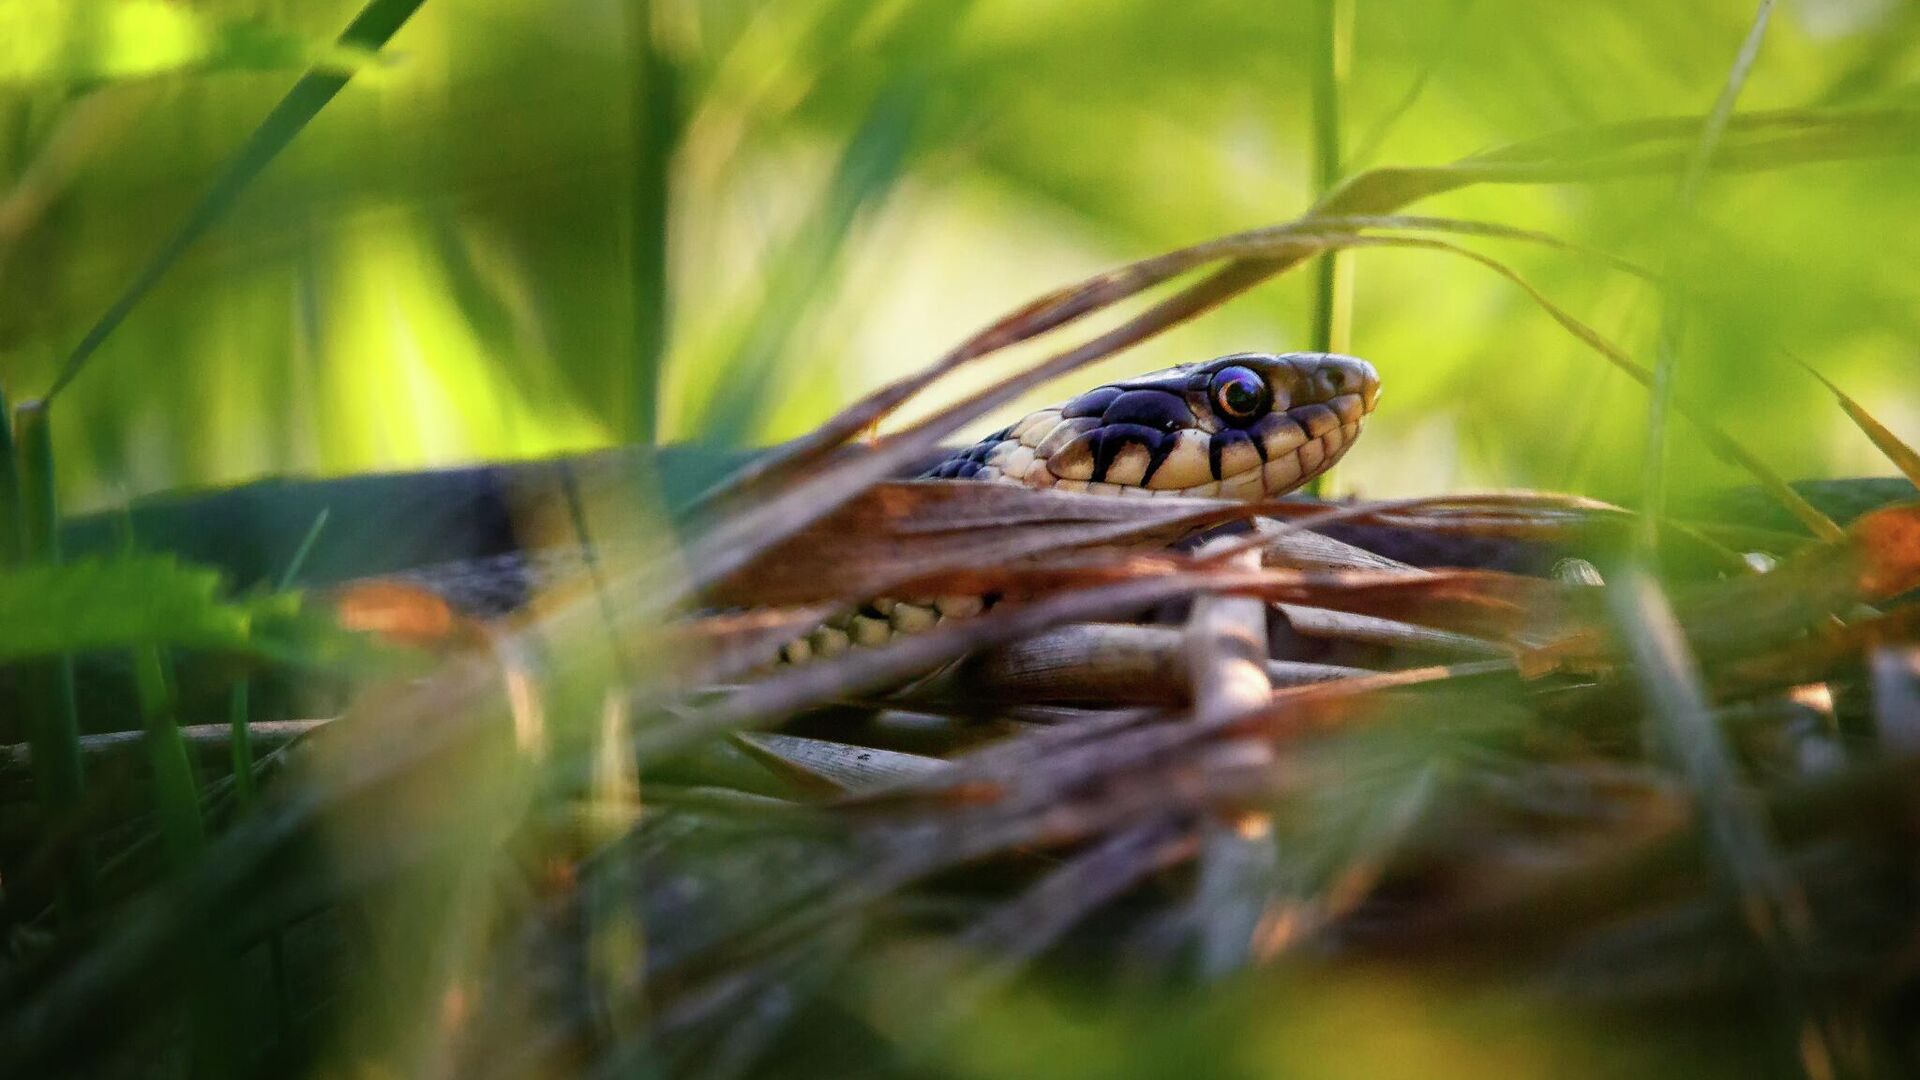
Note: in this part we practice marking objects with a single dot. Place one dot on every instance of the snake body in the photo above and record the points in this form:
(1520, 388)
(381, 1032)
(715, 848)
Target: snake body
(1248, 426)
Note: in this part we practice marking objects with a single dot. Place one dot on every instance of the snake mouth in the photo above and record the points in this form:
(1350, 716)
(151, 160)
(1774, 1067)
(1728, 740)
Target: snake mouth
(1247, 426)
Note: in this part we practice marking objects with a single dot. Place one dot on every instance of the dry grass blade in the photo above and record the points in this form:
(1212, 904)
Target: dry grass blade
(1302, 711)
(1903, 456)
(1227, 651)
(1295, 550)
(1758, 140)
(1347, 626)
(1486, 229)
(899, 531)
(828, 768)
(1227, 647)
(1103, 662)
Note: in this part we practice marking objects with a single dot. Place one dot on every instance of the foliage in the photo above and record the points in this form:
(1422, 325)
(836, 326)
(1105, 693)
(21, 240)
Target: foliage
(1471, 817)
(397, 292)
(141, 600)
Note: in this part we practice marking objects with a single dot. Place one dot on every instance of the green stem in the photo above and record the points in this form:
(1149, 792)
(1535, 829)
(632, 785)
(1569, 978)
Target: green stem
(13, 534)
(369, 30)
(654, 112)
(13, 527)
(240, 746)
(1667, 354)
(1333, 274)
(176, 796)
(53, 717)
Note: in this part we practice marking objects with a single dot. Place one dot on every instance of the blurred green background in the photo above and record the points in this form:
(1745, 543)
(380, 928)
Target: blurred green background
(533, 226)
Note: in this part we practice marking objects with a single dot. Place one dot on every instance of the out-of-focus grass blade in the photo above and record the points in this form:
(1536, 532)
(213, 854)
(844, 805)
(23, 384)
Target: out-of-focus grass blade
(1367, 145)
(13, 514)
(13, 531)
(79, 42)
(1738, 843)
(53, 723)
(1667, 351)
(654, 107)
(1331, 319)
(369, 30)
(176, 796)
(1903, 456)
(238, 708)
(183, 836)
(871, 166)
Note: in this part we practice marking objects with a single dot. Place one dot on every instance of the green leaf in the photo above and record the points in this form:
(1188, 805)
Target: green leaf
(137, 600)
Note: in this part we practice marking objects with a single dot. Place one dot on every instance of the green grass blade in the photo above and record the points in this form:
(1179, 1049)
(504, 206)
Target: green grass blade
(183, 838)
(656, 121)
(1739, 844)
(377, 22)
(1666, 358)
(240, 746)
(13, 536)
(53, 721)
(871, 166)
(1333, 273)
(238, 706)
(176, 796)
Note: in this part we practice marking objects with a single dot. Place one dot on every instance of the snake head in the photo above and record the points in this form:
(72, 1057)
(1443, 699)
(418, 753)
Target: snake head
(1247, 426)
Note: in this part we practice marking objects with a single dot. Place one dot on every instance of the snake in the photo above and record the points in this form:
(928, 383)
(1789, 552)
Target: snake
(1249, 426)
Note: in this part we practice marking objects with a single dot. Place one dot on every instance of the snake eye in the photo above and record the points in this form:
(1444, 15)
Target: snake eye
(1240, 394)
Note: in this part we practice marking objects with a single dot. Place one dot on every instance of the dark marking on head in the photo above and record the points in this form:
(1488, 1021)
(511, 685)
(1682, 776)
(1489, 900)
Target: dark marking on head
(1220, 442)
(1154, 409)
(1158, 448)
(1092, 403)
(1109, 441)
